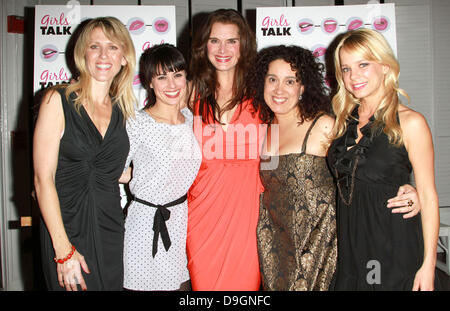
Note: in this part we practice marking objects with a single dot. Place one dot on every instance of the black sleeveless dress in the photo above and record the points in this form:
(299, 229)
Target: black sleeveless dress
(377, 250)
(297, 243)
(87, 175)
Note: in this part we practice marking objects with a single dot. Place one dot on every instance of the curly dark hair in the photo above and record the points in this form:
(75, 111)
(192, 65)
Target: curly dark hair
(308, 71)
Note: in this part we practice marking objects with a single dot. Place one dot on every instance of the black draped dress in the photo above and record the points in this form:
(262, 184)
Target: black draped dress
(88, 170)
(377, 250)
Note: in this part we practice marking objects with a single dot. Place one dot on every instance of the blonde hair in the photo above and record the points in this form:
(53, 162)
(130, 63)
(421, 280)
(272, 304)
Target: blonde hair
(121, 90)
(372, 46)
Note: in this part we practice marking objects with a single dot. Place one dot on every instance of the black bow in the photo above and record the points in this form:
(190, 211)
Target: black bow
(159, 222)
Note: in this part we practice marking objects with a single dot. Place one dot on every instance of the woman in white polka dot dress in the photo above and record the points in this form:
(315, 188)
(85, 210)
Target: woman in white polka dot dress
(166, 158)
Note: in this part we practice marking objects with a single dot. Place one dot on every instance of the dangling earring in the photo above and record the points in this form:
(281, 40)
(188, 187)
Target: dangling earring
(300, 98)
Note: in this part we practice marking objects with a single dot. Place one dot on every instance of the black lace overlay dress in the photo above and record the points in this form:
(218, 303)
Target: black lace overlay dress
(377, 250)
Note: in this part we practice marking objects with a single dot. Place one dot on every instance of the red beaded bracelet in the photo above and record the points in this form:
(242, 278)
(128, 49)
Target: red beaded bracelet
(63, 260)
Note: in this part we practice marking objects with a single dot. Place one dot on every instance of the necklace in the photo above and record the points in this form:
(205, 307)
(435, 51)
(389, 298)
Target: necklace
(352, 184)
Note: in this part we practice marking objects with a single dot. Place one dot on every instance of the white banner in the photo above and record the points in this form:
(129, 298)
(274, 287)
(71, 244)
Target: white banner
(315, 28)
(54, 24)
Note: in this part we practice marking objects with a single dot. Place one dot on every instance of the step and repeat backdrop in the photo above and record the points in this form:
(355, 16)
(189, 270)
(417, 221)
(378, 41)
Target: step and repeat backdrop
(55, 24)
(315, 28)
(310, 27)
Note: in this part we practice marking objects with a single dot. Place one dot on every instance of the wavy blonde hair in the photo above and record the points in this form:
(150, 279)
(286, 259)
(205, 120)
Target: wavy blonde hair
(371, 46)
(121, 90)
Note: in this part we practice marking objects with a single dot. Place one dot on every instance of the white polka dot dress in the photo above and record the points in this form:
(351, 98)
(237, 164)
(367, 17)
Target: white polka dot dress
(166, 159)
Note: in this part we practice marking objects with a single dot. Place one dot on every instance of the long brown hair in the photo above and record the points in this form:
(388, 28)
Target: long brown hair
(204, 78)
(372, 46)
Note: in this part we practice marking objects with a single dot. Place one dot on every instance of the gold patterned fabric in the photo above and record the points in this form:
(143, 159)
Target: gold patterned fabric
(297, 243)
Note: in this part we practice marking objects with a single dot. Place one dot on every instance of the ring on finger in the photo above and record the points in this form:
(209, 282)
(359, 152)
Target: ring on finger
(410, 203)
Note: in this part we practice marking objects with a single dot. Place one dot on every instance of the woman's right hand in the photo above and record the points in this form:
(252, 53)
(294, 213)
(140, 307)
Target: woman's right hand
(69, 272)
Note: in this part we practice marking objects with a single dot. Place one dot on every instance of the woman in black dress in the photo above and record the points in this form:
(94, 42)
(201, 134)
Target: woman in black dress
(80, 148)
(377, 142)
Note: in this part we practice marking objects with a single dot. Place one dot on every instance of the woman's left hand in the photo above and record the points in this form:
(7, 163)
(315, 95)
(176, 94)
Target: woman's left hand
(406, 201)
(424, 279)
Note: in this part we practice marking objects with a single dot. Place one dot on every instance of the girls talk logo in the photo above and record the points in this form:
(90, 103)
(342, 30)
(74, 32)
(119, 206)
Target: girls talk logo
(55, 25)
(49, 78)
(276, 26)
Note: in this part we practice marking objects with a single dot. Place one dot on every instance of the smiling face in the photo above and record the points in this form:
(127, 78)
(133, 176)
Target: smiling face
(224, 46)
(361, 77)
(103, 58)
(282, 88)
(169, 87)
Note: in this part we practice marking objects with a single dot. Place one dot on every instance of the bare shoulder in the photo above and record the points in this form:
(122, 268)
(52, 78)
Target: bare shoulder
(411, 120)
(325, 123)
(51, 98)
(51, 107)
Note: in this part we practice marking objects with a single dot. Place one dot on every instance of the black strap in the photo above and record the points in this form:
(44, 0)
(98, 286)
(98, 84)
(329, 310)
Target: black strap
(159, 222)
(305, 140)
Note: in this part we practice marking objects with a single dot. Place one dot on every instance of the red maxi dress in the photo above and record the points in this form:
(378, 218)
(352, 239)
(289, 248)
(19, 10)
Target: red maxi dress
(223, 204)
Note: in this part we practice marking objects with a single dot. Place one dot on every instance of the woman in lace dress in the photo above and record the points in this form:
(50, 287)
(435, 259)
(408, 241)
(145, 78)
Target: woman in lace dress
(297, 226)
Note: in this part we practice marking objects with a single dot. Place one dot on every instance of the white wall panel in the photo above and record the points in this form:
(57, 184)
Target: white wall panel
(14, 115)
(115, 2)
(201, 6)
(11, 90)
(441, 87)
(355, 2)
(253, 4)
(442, 156)
(423, 44)
(408, 2)
(313, 2)
(414, 44)
(61, 2)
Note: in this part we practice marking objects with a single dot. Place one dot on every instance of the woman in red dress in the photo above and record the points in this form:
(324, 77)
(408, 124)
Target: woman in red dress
(224, 199)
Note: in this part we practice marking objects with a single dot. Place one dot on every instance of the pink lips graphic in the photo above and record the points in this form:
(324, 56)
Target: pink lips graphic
(138, 24)
(380, 23)
(136, 80)
(330, 25)
(48, 53)
(320, 51)
(355, 24)
(305, 26)
(161, 25)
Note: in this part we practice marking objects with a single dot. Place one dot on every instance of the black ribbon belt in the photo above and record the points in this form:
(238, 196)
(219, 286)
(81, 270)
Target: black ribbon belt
(159, 222)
